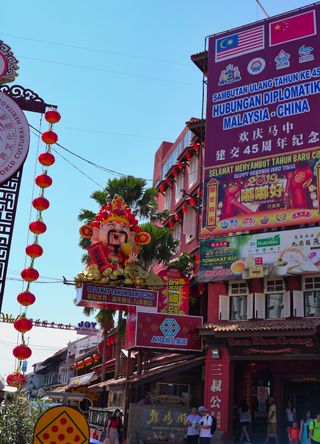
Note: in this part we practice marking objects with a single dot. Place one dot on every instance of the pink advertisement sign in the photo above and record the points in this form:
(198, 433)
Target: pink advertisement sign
(263, 104)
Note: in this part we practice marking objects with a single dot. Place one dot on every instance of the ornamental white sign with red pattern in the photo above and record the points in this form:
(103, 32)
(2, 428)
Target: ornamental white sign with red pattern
(14, 138)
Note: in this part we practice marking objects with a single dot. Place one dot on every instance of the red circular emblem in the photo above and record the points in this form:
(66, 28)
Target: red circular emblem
(14, 138)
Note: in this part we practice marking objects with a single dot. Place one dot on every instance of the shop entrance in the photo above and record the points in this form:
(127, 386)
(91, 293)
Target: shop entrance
(304, 395)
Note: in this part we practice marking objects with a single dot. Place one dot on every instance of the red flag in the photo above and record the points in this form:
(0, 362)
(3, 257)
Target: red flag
(292, 28)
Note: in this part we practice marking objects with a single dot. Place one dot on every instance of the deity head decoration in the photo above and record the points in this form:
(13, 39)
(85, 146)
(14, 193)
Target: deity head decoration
(116, 240)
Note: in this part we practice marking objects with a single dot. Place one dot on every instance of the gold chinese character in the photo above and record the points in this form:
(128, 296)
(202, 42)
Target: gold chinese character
(167, 419)
(154, 417)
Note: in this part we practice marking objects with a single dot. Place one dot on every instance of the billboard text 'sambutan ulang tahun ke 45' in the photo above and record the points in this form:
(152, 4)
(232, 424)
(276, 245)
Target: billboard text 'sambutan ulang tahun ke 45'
(262, 161)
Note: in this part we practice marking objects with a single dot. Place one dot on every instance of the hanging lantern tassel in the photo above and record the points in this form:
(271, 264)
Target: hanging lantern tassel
(34, 250)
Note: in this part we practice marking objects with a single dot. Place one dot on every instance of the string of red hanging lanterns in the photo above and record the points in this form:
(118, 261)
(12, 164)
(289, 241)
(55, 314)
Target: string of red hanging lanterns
(34, 250)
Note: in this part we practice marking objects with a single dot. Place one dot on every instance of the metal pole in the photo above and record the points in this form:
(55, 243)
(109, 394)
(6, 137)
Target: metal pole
(262, 8)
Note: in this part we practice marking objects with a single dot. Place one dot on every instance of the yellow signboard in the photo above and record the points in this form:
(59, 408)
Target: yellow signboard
(63, 425)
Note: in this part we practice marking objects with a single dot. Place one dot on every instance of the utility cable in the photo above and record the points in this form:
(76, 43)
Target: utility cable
(98, 50)
(101, 167)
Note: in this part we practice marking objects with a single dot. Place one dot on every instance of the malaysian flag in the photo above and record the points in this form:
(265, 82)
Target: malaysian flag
(240, 43)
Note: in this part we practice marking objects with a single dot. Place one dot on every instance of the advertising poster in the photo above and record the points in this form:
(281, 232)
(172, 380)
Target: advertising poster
(285, 253)
(163, 331)
(263, 130)
(174, 297)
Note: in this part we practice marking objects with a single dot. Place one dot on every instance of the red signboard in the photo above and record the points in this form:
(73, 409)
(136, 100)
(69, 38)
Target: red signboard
(116, 298)
(163, 331)
(262, 125)
(174, 296)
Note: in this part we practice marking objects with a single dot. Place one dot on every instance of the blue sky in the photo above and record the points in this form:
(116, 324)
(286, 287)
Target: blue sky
(121, 75)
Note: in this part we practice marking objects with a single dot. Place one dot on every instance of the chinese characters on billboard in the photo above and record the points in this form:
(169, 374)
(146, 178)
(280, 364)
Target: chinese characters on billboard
(285, 253)
(163, 331)
(174, 296)
(263, 135)
(116, 298)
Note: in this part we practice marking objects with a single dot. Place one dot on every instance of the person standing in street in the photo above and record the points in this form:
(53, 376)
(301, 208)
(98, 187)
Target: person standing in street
(294, 433)
(114, 426)
(193, 423)
(304, 428)
(272, 421)
(245, 421)
(205, 426)
(314, 430)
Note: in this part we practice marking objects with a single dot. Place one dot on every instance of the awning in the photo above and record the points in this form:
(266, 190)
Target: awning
(266, 327)
(160, 371)
(66, 396)
(86, 379)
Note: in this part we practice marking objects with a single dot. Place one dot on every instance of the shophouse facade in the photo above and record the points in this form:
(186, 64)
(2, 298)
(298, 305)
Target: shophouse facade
(263, 316)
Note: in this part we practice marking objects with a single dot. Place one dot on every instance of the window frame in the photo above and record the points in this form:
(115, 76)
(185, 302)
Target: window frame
(194, 173)
(179, 193)
(240, 294)
(314, 289)
(177, 226)
(275, 292)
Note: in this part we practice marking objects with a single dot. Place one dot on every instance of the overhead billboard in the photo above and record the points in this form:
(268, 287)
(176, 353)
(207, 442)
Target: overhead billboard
(116, 298)
(283, 253)
(262, 126)
(163, 331)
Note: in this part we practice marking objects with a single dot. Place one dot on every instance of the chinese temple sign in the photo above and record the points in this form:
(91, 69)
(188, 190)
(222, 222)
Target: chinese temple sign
(263, 133)
(157, 423)
(174, 297)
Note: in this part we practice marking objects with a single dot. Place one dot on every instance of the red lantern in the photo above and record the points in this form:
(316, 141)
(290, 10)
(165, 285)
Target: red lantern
(180, 165)
(34, 250)
(175, 172)
(192, 202)
(22, 352)
(96, 357)
(88, 361)
(29, 274)
(26, 298)
(108, 342)
(46, 159)
(40, 203)
(16, 380)
(37, 227)
(22, 325)
(162, 187)
(43, 181)
(177, 216)
(184, 209)
(197, 257)
(188, 155)
(168, 181)
(195, 146)
(171, 223)
(49, 137)
(52, 116)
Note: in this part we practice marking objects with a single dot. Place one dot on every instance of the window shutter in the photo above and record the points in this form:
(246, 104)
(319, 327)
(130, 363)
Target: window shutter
(250, 314)
(287, 304)
(260, 305)
(298, 304)
(189, 222)
(224, 308)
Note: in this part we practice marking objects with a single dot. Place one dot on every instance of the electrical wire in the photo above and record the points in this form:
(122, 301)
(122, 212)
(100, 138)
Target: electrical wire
(101, 167)
(101, 51)
(108, 71)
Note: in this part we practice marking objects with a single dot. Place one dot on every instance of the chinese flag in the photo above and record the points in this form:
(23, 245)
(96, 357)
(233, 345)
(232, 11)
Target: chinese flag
(292, 28)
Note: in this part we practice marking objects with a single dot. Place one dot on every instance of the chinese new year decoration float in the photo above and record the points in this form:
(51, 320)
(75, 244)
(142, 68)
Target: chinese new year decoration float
(116, 240)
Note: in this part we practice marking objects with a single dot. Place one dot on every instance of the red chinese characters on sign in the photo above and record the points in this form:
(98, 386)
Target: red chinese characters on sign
(174, 297)
(163, 331)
